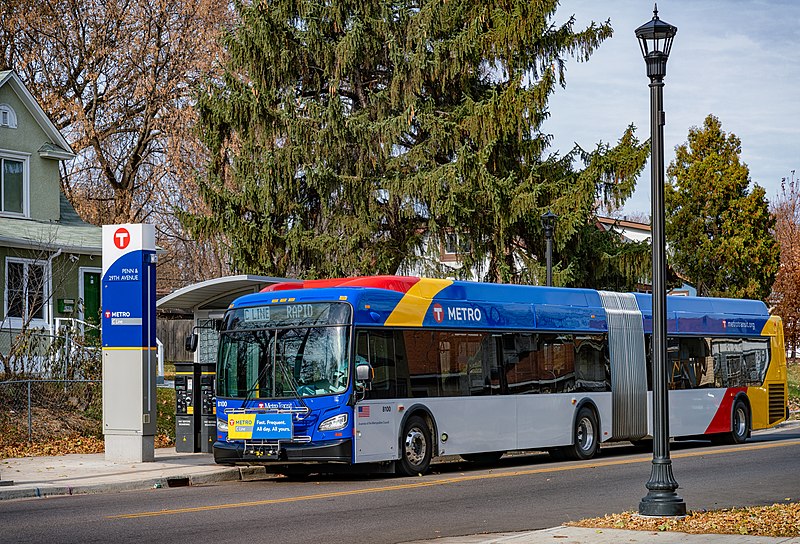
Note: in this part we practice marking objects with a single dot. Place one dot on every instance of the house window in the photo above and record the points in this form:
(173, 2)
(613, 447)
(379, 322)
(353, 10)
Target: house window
(13, 183)
(8, 117)
(26, 291)
(452, 246)
(451, 243)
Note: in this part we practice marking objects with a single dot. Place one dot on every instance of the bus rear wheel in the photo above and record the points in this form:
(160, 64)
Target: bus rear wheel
(740, 424)
(585, 436)
(416, 447)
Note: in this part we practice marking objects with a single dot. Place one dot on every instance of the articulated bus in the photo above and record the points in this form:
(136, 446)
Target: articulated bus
(384, 373)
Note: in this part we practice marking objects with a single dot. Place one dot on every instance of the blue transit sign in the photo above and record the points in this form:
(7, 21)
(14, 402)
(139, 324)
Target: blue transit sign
(273, 427)
(129, 286)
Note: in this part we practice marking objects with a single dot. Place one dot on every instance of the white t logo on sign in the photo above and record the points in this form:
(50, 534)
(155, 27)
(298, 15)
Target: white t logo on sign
(121, 238)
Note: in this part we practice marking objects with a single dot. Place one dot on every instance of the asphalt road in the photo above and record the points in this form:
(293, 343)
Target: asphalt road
(519, 493)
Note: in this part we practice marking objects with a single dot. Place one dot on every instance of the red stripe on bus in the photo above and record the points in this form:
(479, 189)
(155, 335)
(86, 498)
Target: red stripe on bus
(393, 283)
(721, 423)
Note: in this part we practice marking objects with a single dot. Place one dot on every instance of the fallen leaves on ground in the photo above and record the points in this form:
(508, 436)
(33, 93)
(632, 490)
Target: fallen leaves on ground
(66, 445)
(163, 441)
(794, 408)
(59, 446)
(776, 520)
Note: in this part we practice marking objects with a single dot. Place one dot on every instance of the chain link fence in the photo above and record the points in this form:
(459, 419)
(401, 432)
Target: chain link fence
(44, 409)
(50, 383)
(70, 352)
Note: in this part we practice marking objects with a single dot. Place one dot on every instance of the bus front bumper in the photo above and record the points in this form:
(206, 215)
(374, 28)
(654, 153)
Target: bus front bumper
(337, 451)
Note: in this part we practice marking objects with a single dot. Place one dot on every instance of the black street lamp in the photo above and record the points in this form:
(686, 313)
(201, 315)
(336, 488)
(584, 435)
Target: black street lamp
(549, 226)
(655, 39)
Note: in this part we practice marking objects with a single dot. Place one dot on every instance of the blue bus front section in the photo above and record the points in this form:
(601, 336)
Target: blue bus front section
(304, 443)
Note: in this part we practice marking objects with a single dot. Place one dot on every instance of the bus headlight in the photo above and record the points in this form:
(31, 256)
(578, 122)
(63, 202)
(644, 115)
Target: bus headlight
(335, 423)
(222, 426)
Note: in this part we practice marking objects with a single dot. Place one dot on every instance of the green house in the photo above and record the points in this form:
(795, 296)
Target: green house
(50, 260)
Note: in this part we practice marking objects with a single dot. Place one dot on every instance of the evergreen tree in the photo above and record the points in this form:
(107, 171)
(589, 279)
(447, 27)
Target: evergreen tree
(343, 131)
(615, 264)
(719, 233)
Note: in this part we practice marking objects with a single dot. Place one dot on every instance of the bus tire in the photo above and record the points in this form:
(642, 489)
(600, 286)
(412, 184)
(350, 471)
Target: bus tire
(585, 436)
(484, 458)
(740, 423)
(416, 447)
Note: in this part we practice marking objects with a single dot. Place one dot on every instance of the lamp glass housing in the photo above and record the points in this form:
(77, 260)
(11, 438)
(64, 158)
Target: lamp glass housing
(655, 37)
(548, 220)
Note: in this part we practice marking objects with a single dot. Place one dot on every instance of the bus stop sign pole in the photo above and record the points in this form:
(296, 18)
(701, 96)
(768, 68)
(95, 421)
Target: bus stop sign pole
(129, 342)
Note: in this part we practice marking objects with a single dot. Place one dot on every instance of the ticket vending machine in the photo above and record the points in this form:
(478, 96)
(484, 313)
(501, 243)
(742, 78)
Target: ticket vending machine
(195, 407)
(186, 408)
(208, 406)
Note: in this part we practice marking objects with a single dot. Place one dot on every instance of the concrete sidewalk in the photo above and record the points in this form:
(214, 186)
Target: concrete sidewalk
(79, 474)
(581, 535)
(90, 473)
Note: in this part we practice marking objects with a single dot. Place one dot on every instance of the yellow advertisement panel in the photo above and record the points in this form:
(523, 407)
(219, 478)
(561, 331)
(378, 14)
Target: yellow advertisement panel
(240, 426)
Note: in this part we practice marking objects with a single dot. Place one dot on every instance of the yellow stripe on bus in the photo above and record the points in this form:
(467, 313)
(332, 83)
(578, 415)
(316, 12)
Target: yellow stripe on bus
(411, 310)
(771, 326)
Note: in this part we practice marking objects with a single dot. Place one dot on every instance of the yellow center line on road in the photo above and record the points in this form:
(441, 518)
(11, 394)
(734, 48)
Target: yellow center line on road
(455, 480)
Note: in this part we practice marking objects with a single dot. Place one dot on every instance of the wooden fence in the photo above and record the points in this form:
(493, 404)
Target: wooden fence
(173, 333)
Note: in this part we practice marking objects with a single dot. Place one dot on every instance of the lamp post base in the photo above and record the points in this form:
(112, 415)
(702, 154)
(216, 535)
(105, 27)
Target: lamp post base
(662, 504)
(661, 500)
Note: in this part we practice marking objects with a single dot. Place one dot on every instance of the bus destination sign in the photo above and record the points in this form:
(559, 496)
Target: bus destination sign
(289, 315)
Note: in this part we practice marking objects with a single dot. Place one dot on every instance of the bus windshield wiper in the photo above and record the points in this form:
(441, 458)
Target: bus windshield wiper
(254, 387)
(288, 376)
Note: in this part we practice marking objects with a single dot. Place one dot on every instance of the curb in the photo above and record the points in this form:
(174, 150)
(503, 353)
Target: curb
(26, 491)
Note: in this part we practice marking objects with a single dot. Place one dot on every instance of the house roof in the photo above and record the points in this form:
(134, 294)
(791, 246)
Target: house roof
(70, 233)
(215, 294)
(629, 230)
(62, 149)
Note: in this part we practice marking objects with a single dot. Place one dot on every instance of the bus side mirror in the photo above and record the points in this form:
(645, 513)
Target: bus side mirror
(191, 343)
(364, 372)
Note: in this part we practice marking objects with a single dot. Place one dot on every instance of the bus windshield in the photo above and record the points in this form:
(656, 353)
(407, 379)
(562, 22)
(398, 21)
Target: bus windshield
(286, 351)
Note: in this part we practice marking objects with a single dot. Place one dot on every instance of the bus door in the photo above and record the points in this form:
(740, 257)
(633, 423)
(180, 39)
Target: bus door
(376, 413)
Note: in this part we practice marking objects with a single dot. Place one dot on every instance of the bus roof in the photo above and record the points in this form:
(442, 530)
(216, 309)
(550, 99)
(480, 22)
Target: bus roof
(407, 301)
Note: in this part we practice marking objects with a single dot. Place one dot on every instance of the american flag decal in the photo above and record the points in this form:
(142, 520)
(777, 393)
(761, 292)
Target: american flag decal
(363, 411)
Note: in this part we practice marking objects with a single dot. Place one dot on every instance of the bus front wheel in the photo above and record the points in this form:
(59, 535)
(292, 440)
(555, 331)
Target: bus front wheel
(585, 436)
(416, 447)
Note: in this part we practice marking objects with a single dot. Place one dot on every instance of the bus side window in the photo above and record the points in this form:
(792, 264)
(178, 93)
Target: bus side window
(521, 363)
(377, 347)
(592, 367)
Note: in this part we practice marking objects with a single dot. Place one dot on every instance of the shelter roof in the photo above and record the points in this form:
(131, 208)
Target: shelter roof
(217, 293)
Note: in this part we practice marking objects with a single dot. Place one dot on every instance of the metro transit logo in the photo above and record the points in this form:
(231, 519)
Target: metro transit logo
(438, 313)
(122, 238)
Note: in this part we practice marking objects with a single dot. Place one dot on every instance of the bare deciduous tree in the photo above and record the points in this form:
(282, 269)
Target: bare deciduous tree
(118, 77)
(785, 296)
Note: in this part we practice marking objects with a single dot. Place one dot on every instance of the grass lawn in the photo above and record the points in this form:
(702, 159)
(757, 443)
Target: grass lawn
(794, 390)
(794, 380)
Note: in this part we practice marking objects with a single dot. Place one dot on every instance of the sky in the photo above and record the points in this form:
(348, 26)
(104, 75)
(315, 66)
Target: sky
(736, 59)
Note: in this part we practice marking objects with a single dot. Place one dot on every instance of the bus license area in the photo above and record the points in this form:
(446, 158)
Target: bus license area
(261, 451)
